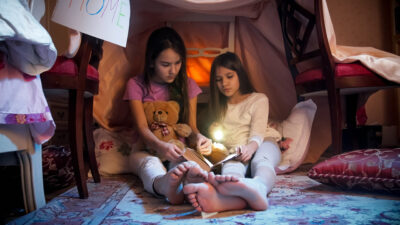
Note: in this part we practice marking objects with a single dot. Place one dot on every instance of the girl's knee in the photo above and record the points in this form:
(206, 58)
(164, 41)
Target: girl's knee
(270, 146)
(149, 162)
(234, 168)
(269, 151)
(142, 161)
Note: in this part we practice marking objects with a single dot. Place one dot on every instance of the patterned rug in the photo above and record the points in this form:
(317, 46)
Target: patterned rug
(296, 199)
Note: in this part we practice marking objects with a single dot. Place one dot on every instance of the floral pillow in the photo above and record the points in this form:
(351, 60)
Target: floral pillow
(112, 152)
(370, 169)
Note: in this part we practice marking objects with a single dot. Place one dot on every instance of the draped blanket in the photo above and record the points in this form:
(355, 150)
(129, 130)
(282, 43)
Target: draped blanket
(26, 43)
(383, 63)
(258, 42)
(26, 50)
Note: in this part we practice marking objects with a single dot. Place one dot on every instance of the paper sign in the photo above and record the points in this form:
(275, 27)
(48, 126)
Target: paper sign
(104, 19)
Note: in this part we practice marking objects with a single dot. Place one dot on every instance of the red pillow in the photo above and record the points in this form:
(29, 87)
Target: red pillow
(370, 169)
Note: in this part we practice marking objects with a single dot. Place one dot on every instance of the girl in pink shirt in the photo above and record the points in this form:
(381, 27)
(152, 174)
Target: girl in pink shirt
(164, 78)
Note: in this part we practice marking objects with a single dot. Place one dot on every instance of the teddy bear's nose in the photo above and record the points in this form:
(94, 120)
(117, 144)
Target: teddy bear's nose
(159, 112)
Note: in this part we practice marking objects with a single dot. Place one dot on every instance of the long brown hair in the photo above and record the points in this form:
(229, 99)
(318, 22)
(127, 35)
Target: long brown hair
(218, 101)
(160, 40)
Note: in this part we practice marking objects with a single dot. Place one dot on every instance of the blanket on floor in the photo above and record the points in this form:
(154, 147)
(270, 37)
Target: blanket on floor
(295, 199)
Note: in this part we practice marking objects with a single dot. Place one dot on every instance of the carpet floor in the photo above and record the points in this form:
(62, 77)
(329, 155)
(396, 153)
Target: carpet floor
(295, 199)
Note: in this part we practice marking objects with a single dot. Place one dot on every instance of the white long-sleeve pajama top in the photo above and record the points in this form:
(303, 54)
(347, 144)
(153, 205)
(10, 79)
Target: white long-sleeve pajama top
(246, 121)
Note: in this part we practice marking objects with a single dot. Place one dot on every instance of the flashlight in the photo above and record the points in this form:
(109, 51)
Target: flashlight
(218, 135)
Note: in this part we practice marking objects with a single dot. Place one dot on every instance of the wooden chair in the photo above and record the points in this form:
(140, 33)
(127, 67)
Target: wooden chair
(334, 78)
(81, 80)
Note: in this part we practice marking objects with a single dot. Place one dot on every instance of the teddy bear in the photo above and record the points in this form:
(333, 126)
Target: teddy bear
(162, 118)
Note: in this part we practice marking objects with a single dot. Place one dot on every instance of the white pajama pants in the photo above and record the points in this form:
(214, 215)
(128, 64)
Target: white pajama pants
(267, 154)
(147, 167)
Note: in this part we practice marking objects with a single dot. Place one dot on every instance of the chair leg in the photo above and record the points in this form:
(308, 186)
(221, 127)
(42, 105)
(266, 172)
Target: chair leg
(75, 127)
(351, 110)
(351, 121)
(336, 120)
(90, 140)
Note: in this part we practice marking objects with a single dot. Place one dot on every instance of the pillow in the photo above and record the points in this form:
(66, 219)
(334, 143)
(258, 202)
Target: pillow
(112, 151)
(297, 127)
(371, 169)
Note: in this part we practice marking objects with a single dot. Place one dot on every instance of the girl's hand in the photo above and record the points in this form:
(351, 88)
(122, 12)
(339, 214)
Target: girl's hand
(203, 144)
(171, 152)
(245, 152)
(284, 144)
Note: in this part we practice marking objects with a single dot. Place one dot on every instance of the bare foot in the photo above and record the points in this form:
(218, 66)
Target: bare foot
(223, 178)
(250, 189)
(195, 174)
(205, 198)
(170, 184)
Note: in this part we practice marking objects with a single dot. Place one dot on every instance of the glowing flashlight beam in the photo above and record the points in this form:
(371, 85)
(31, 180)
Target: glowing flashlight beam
(218, 135)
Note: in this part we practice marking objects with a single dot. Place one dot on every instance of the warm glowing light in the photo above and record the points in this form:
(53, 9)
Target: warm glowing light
(218, 135)
(199, 69)
(218, 146)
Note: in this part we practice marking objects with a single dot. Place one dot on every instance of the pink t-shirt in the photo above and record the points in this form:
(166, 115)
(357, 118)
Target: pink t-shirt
(136, 90)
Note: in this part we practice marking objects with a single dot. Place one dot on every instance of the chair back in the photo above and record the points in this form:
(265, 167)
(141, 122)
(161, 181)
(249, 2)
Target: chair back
(76, 73)
(95, 46)
(327, 58)
(89, 53)
(82, 59)
(298, 25)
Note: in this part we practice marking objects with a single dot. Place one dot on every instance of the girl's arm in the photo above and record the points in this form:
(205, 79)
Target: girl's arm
(203, 144)
(246, 151)
(259, 119)
(192, 115)
(170, 151)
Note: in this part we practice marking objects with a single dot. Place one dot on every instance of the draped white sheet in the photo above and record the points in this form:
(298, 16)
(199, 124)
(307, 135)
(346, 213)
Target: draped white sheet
(383, 63)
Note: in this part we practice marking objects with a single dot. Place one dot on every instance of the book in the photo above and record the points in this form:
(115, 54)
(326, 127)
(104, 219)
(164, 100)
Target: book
(204, 163)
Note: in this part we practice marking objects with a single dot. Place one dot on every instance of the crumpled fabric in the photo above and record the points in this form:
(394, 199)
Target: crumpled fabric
(25, 42)
(383, 63)
(22, 101)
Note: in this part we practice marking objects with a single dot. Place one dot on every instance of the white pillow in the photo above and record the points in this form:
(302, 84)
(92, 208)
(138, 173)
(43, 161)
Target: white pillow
(112, 151)
(298, 127)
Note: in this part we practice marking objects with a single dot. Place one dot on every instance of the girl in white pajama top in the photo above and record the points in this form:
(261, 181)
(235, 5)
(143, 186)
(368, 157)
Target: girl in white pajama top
(243, 116)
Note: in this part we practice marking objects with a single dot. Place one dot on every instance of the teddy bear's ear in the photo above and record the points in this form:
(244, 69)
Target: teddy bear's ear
(148, 111)
(175, 106)
(173, 109)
